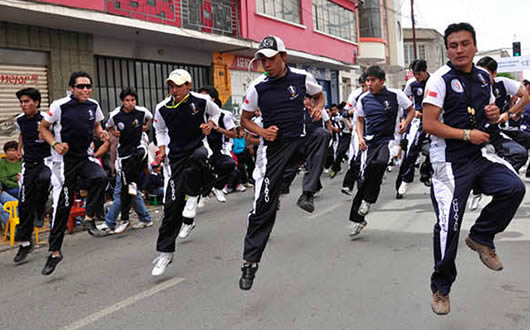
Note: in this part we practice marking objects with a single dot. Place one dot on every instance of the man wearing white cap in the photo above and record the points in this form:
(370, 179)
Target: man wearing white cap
(279, 95)
(181, 123)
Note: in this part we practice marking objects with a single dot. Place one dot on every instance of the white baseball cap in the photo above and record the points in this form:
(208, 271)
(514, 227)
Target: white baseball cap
(270, 46)
(179, 77)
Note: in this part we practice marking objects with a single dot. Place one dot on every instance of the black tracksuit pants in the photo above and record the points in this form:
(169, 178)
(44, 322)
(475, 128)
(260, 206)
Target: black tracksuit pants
(184, 176)
(131, 168)
(314, 152)
(451, 185)
(273, 158)
(34, 191)
(344, 146)
(412, 152)
(374, 162)
(64, 180)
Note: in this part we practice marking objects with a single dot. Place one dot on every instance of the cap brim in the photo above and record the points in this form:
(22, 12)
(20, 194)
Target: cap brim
(177, 82)
(267, 52)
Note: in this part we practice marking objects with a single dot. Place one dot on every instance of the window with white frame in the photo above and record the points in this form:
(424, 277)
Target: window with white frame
(332, 19)
(409, 53)
(288, 10)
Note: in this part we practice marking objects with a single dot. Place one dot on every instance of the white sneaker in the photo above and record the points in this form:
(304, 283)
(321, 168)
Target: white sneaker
(403, 188)
(346, 190)
(161, 263)
(132, 188)
(475, 199)
(122, 227)
(190, 210)
(389, 168)
(241, 188)
(142, 224)
(185, 230)
(356, 228)
(103, 227)
(202, 201)
(364, 208)
(219, 195)
(326, 170)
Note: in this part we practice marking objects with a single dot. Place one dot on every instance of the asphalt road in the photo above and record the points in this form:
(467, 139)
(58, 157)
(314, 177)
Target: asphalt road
(312, 276)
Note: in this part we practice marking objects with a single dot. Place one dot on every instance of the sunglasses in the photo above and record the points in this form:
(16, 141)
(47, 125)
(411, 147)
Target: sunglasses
(83, 86)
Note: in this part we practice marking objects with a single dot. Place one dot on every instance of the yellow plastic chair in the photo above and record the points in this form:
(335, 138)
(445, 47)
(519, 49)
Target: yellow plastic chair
(11, 207)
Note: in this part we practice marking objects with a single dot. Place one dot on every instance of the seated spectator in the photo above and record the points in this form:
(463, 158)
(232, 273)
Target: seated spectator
(155, 181)
(10, 168)
(4, 198)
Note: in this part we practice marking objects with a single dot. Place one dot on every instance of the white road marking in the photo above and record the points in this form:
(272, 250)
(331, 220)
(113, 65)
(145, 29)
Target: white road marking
(122, 304)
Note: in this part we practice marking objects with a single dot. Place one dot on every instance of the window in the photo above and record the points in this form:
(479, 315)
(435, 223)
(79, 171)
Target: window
(370, 22)
(334, 20)
(409, 53)
(288, 10)
(421, 52)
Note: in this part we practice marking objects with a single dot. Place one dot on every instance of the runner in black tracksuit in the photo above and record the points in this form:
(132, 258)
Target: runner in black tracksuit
(377, 117)
(415, 137)
(130, 120)
(74, 118)
(279, 95)
(36, 170)
(181, 123)
(457, 110)
(354, 161)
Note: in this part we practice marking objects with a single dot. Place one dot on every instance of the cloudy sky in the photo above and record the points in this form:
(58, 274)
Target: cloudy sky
(498, 23)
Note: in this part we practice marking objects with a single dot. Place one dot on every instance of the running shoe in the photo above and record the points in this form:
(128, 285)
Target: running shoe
(161, 262)
(185, 230)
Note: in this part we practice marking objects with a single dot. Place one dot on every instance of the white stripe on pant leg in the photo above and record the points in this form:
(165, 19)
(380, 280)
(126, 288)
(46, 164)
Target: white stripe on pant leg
(443, 183)
(57, 180)
(489, 154)
(259, 171)
(364, 155)
(167, 176)
(22, 193)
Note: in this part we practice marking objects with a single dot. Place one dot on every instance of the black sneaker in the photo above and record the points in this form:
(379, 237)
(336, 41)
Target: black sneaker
(23, 252)
(248, 272)
(305, 202)
(399, 196)
(426, 181)
(93, 229)
(52, 261)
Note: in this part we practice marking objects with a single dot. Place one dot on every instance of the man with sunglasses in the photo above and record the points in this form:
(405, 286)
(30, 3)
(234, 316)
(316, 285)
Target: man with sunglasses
(457, 110)
(279, 95)
(74, 119)
(182, 121)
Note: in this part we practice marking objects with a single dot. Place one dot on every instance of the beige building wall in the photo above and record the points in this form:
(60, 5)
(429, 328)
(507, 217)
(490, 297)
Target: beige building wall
(68, 51)
(432, 42)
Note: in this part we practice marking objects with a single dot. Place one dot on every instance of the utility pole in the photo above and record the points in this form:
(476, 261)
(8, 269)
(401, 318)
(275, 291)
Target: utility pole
(413, 29)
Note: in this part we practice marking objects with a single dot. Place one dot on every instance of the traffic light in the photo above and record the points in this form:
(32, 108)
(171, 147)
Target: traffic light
(516, 48)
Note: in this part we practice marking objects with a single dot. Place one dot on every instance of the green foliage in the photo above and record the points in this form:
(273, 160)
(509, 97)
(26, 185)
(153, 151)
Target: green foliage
(505, 74)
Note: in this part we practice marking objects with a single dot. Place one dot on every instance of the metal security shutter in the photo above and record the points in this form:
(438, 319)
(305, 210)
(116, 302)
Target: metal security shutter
(12, 79)
(146, 77)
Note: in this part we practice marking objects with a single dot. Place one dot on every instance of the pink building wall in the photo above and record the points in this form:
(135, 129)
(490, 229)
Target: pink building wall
(256, 27)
